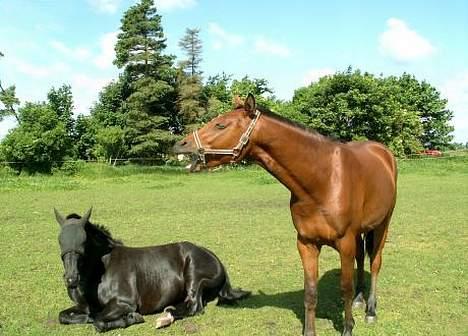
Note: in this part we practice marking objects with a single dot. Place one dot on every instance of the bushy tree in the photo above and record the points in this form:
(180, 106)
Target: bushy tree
(110, 109)
(61, 102)
(352, 105)
(39, 143)
(111, 143)
(85, 133)
(220, 90)
(430, 106)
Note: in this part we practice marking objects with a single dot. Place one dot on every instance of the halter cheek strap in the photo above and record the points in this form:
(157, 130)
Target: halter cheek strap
(234, 152)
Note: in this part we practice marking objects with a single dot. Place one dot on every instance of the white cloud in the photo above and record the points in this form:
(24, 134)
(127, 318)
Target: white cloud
(265, 46)
(107, 53)
(456, 92)
(39, 71)
(222, 38)
(315, 74)
(168, 5)
(86, 90)
(79, 53)
(105, 6)
(403, 44)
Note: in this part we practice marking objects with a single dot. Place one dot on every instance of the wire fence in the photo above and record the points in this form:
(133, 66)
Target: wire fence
(410, 157)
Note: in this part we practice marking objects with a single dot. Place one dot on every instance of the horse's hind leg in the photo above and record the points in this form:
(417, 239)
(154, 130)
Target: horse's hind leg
(75, 315)
(379, 236)
(117, 314)
(359, 301)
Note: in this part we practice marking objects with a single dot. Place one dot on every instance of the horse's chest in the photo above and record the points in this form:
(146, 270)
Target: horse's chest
(318, 224)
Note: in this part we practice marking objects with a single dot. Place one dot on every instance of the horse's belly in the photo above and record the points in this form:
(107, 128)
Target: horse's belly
(156, 298)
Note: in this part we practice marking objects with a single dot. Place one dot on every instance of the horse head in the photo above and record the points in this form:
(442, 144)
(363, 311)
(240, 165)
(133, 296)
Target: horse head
(222, 140)
(72, 239)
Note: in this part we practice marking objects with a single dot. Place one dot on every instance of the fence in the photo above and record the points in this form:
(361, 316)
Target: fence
(114, 162)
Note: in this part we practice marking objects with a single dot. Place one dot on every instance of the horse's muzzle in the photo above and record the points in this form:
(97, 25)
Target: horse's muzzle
(182, 147)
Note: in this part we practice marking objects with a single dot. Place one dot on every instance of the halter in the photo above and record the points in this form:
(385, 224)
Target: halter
(235, 152)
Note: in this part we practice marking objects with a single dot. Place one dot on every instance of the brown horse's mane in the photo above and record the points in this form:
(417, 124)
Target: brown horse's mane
(295, 124)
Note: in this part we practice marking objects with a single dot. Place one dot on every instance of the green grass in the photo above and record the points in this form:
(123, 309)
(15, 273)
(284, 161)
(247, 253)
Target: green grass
(243, 216)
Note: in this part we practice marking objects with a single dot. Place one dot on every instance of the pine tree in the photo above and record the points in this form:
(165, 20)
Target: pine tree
(189, 79)
(151, 79)
(192, 46)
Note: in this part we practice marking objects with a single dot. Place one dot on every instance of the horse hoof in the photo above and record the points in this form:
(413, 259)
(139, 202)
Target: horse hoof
(359, 304)
(100, 326)
(371, 319)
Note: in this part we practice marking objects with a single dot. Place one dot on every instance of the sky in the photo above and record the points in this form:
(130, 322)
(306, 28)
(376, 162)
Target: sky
(292, 43)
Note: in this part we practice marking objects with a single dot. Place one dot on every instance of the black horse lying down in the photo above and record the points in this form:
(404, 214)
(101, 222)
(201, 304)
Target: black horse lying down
(113, 285)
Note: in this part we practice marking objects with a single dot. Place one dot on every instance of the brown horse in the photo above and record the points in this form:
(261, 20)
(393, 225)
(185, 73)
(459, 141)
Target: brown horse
(342, 194)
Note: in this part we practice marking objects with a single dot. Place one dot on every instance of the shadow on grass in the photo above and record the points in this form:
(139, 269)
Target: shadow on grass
(329, 305)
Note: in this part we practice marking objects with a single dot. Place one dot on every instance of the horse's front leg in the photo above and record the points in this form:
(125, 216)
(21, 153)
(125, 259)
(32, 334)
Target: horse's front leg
(75, 315)
(309, 255)
(347, 249)
(117, 314)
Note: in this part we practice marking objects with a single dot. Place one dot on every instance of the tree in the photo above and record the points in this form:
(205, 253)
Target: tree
(110, 109)
(110, 143)
(151, 100)
(85, 132)
(432, 110)
(191, 44)
(39, 143)
(189, 80)
(8, 100)
(61, 101)
(353, 105)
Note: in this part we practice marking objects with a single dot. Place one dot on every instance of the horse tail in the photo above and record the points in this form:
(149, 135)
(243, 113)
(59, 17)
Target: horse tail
(370, 243)
(229, 295)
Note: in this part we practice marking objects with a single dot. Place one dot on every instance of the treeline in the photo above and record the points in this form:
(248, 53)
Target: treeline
(156, 99)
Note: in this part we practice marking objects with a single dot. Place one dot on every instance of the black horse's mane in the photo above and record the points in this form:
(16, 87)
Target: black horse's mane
(98, 231)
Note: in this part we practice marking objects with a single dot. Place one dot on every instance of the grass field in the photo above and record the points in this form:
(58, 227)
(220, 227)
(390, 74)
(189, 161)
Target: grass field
(243, 216)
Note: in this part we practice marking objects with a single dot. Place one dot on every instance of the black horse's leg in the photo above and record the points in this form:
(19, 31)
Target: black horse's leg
(117, 314)
(359, 301)
(194, 284)
(75, 315)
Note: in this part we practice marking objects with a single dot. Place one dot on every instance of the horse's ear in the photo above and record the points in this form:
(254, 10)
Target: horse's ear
(237, 102)
(60, 219)
(249, 104)
(86, 216)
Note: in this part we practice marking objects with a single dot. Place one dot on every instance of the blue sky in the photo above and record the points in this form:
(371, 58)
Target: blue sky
(290, 43)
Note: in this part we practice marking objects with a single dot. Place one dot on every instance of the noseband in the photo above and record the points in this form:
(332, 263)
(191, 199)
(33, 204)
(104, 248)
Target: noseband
(235, 152)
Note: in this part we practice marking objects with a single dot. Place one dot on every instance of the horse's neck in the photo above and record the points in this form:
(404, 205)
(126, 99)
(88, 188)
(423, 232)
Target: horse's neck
(97, 244)
(297, 158)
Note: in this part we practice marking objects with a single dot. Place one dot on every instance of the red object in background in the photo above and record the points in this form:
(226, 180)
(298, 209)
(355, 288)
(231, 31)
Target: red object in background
(431, 152)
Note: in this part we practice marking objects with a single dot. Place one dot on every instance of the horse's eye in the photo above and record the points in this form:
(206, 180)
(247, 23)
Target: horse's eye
(220, 126)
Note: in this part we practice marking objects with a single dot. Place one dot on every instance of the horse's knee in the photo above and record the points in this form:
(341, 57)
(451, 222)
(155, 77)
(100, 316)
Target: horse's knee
(310, 296)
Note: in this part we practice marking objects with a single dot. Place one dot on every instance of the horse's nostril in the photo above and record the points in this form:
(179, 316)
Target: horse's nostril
(183, 143)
